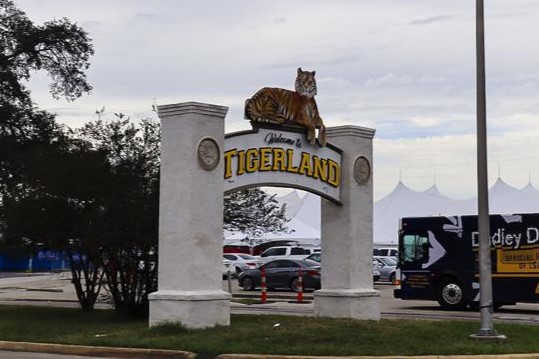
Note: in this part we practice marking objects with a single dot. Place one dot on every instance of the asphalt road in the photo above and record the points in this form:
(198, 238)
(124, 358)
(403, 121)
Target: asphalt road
(392, 308)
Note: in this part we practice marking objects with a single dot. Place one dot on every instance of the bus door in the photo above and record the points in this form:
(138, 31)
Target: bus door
(413, 253)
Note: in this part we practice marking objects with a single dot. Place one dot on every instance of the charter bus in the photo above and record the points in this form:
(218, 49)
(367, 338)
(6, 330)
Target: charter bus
(438, 259)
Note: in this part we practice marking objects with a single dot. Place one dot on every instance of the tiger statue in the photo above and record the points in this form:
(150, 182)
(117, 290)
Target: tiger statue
(280, 106)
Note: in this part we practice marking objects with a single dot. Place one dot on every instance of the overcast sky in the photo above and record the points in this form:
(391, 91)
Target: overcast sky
(403, 67)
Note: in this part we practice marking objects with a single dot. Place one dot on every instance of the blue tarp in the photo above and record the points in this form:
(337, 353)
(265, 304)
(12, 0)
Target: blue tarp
(11, 262)
(49, 261)
(41, 261)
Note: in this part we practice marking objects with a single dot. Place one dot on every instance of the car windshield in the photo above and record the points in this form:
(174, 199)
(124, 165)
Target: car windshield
(388, 261)
(311, 263)
(246, 256)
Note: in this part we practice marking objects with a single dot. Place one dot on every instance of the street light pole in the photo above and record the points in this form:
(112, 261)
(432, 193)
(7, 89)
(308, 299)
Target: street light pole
(485, 275)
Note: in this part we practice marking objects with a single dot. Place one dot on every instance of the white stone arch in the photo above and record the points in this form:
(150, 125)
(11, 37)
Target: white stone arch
(191, 222)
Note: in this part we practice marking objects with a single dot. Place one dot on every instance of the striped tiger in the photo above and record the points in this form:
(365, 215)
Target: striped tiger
(280, 106)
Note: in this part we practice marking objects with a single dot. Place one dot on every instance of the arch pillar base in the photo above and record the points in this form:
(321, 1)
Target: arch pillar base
(347, 303)
(193, 309)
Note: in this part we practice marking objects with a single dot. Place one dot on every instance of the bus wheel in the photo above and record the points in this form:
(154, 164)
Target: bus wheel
(451, 295)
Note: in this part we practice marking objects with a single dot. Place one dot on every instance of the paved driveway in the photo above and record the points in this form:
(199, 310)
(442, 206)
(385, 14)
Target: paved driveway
(13, 274)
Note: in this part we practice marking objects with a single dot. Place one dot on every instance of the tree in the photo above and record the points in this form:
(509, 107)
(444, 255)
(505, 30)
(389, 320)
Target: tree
(38, 160)
(129, 232)
(59, 47)
(61, 211)
(253, 212)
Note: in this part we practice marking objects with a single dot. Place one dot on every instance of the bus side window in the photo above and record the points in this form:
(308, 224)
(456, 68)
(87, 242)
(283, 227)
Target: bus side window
(415, 248)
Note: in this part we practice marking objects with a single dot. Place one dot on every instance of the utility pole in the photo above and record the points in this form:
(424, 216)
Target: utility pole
(486, 304)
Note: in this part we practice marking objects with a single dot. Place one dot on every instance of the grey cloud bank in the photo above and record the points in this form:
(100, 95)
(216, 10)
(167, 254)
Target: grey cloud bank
(405, 68)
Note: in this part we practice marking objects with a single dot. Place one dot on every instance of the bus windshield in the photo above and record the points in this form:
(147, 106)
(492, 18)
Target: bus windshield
(414, 248)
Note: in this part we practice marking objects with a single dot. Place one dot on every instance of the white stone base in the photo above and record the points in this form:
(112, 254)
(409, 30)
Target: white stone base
(192, 309)
(347, 303)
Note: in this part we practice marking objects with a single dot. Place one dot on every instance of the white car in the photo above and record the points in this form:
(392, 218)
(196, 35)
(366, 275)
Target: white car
(242, 261)
(286, 252)
(385, 252)
(228, 268)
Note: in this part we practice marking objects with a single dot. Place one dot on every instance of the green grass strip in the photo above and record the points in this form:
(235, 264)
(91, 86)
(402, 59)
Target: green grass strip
(263, 334)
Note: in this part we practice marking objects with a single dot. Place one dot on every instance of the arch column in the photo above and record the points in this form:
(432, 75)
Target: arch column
(346, 233)
(191, 218)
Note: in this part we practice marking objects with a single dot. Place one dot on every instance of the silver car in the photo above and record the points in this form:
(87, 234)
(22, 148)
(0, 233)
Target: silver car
(387, 268)
(317, 257)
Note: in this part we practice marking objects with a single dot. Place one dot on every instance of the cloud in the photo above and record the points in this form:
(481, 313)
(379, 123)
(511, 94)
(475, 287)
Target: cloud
(147, 18)
(376, 67)
(432, 19)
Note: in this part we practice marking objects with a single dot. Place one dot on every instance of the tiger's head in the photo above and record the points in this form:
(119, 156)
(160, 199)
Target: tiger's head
(305, 83)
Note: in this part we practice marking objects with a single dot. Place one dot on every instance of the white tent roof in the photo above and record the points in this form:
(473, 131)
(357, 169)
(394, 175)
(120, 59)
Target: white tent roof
(293, 203)
(401, 202)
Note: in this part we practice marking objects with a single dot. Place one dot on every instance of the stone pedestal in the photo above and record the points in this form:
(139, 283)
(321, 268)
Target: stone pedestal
(346, 233)
(191, 218)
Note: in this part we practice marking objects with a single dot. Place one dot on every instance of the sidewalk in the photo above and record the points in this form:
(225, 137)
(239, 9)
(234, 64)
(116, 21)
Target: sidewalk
(55, 289)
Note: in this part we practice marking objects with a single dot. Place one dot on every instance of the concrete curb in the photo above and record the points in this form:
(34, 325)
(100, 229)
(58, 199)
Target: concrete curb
(94, 351)
(263, 356)
(162, 353)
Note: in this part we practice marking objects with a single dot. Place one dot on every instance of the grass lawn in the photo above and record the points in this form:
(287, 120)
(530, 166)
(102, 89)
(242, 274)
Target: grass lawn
(255, 334)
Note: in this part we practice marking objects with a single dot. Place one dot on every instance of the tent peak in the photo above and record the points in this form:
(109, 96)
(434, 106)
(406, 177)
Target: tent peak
(433, 191)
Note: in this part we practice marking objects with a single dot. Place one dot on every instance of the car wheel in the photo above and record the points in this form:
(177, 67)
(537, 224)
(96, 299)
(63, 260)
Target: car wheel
(248, 283)
(294, 284)
(450, 295)
(393, 277)
(238, 270)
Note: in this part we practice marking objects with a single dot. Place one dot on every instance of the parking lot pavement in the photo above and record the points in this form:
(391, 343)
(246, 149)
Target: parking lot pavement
(15, 274)
(37, 287)
(56, 289)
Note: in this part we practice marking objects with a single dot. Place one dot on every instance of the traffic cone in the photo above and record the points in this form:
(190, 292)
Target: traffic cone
(263, 294)
(300, 287)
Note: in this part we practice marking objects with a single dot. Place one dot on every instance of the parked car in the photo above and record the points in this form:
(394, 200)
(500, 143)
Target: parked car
(286, 252)
(242, 261)
(228, 268)
(386, 252)
(375, 271)
(387, 268)
(282, 273)
(317, 257)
